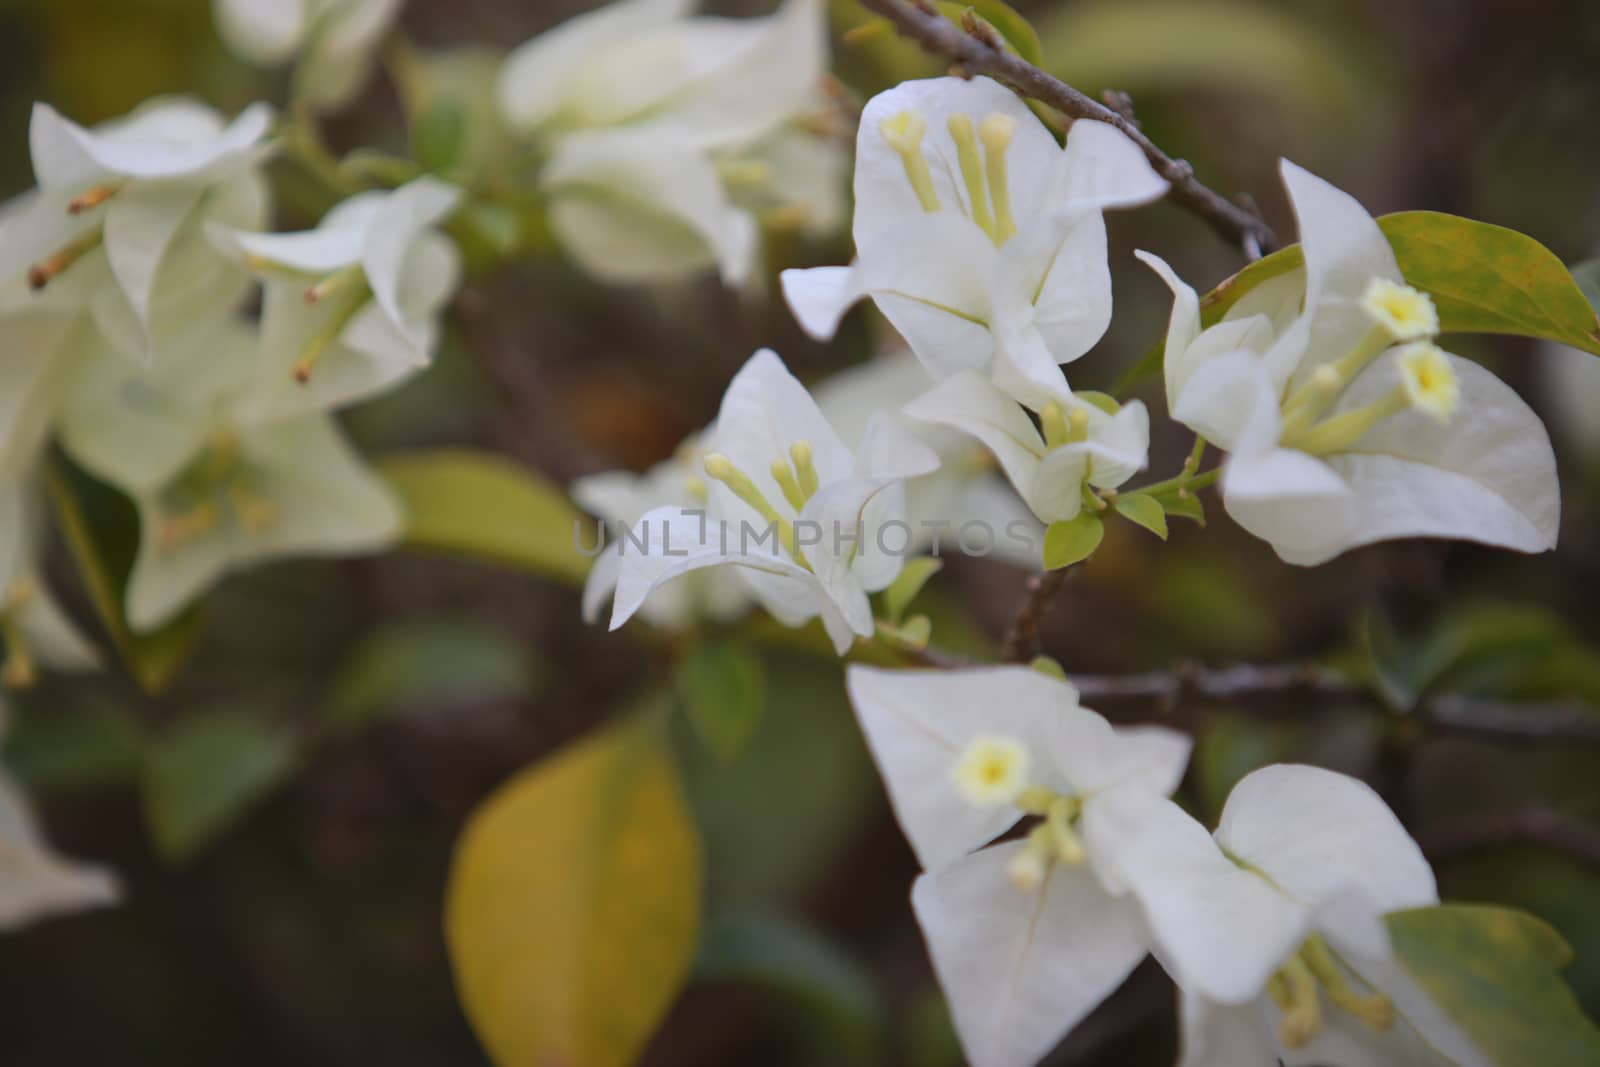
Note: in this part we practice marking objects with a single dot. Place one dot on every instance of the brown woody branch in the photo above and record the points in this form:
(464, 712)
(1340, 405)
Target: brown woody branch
(1021, 642)
(978, 51)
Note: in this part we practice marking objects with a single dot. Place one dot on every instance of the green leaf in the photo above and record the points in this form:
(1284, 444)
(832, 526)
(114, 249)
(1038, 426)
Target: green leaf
(573, 904)
(63, 744)
(1497, 974)
(1184, 506)
(723, 692)
(1476, 648)
(1144, 510)
(438, 135)
(100, 529)
(1483, 279)
(1015, 30)
(1072, 540)
(205, 774)
(832, 990)
(478, 504)
(1104, 401)
(913, 576)
(427, 662)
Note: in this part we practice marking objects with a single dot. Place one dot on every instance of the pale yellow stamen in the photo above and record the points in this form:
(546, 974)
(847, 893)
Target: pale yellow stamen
(805, 467)
(336, 282)
(903, 132)
(995, 131)
(177, 530)
(965, 136)
(721, 468)
(1077, 426)
(1302, 1021)
(783, 474)
(1053, 421)
(1374, 1010)
(1027, 870)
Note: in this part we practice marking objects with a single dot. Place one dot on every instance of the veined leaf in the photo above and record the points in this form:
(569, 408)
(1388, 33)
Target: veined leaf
(573, 905)
(1497, 973)
(479, 504)
(1483, 279)
(1144, 510)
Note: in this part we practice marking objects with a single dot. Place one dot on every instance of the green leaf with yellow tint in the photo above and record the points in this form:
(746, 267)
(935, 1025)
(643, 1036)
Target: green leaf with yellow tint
(101, 531)
(1072, 540)
(482, 505)
(1497, 973)
(1143, 510)
(573, 906)
(1483, 279)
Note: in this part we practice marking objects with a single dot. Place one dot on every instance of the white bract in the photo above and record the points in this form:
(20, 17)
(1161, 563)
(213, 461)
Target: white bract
(333, 41)
(623, 498)
(800, 515)
(1027, 936)
(964, 493)
(657, 124)
(218, 486)
(34, 630)
(35, 881)
(1273, 928)
(133, 196)
(351, 307)
(977, 235)
(1079, 440)
(1345, 424)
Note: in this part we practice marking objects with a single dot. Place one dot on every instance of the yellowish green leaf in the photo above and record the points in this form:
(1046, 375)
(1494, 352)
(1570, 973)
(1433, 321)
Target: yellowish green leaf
(1014, 29)
(573, 906)
(1497, 973)
(1072, 540)
(1483, 279)
(482, 505)
(1145, 511)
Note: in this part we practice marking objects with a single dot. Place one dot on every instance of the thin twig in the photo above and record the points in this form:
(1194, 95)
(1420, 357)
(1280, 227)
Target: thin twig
(1178, 694)
(1021, 642)
(1545, 827)
(980, 53)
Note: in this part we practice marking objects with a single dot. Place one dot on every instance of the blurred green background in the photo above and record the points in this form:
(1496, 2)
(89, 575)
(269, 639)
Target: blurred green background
(294, 916)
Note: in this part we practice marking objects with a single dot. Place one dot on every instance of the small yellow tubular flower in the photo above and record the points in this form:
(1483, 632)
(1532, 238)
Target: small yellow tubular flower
(992, 771)
(965, 136)
(1407, 314)
(1429, 380)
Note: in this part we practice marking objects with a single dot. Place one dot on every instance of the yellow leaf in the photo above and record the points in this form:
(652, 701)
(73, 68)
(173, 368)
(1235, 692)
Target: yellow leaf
(573, 909)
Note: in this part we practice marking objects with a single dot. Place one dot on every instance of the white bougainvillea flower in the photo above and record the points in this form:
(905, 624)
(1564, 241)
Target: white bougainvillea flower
(1273, 927)
(351, 307)
(1345, 423)
(334, 41)
(1079, 441)
(651, 118)
(622, 498)
(134, 195)
(964, 490)
(45, 333)
(977, 235)
(33, 629)
(1027, 937)
(218, 487)
(797, 512)
(36, 882)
